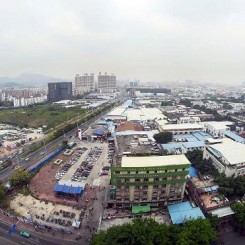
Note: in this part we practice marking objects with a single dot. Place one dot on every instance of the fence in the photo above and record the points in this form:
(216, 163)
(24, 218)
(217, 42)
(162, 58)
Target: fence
(42, 163)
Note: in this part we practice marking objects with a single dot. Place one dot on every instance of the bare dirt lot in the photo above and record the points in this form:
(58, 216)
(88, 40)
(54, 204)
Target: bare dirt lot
(43, 182)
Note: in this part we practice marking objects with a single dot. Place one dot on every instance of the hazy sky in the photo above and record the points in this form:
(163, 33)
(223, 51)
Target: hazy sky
(149, 40)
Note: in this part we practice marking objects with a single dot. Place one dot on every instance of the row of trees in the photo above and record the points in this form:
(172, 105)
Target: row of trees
(2, 194)
(144, 231)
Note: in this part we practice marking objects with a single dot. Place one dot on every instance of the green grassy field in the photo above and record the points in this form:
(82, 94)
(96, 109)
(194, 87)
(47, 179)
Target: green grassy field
(50, 115)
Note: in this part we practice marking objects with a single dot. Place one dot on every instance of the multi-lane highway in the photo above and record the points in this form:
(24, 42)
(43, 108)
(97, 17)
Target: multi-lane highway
(47, 149)
(35, 239)
(38, 238)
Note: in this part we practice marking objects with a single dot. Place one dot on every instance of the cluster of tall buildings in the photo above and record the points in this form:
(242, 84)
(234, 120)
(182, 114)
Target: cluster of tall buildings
(82, 84)
(104, 83)
(23, 97)
(87, 83)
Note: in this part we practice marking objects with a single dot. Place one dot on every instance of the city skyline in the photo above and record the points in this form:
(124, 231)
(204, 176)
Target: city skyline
(146, 40)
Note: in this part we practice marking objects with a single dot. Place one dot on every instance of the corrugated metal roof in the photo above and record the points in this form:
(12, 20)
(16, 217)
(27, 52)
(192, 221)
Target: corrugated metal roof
(234, 136)
(222, 212)
(68, 189)
(183, 211)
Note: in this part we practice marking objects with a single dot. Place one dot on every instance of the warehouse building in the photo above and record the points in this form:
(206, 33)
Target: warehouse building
(228, 157)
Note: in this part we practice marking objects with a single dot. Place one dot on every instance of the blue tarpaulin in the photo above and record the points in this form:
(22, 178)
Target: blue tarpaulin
(99, 131)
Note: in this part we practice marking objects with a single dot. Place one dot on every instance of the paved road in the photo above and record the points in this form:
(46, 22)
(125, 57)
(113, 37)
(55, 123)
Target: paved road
(34, 239)
(36, 156)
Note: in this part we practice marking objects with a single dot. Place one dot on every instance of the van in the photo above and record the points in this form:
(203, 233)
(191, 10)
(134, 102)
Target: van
(27, 159)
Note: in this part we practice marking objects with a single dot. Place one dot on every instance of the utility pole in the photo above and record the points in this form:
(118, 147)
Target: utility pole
(45, 147)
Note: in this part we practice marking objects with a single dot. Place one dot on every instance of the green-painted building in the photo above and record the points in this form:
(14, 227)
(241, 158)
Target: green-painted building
(154, 180)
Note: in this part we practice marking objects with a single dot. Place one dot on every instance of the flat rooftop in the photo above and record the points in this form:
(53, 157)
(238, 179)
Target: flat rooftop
(182, 126)
(154, 161)
(183, 211)
(219, 125)
(202, 183)
(222, 212)
(232, 151)
(131, 143)
(212, 201)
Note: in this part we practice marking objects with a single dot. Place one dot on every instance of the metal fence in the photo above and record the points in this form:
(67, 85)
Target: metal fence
(42, 163)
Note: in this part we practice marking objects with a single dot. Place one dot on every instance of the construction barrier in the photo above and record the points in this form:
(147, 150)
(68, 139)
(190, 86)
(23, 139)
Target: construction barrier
(42, 163)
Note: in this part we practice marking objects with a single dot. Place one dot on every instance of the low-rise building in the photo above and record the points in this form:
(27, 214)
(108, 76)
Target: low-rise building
(217, 129)
(204, 192)
(188, 120)
(228, 157)
(183, 128)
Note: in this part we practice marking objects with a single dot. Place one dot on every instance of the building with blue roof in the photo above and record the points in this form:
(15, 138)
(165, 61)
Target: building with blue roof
(186, 142)
(182, 212)
(234, 136)
(67, 190)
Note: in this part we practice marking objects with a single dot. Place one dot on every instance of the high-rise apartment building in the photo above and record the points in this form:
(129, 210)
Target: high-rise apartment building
(106, 82)
(84, 83)
(59, 91)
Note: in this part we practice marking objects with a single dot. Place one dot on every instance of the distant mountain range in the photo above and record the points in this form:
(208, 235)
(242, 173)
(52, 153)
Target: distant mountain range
(28, 80)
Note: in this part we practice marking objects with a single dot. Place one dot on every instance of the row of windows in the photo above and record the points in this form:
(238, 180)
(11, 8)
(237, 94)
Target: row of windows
(127, 180)
(143, 187)
(150, 172)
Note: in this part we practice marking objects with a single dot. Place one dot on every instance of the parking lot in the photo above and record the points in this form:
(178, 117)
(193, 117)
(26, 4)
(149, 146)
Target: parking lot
(83, 165)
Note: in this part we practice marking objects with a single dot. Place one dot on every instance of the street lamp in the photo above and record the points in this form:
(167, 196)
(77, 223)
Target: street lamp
(45, 147)
(64, 134)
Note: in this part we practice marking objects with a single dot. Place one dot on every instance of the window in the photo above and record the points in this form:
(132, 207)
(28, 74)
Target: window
(137, 172)
(155, 171)
(155, 186)
(146, 179)
(117, 172)
(137, 180)
(164, 179)
(156, 179)
(128, 172)
(147, 172)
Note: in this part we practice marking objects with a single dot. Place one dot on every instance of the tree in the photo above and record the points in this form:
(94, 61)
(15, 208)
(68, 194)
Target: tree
(239, 209)
(166, 103)
(144, 231)
(186, 102)
(139, 232)
(204, 166)
(20, 177)
(163, 137)
(64, 143)
(214, 220)
(199, 231)
(231, 186)
(2, 194)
